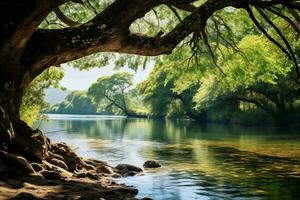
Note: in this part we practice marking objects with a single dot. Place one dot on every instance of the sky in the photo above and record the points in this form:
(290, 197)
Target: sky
(75, 79)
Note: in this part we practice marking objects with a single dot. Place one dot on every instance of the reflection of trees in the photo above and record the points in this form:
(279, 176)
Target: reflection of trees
(215, 159)
(99, 128)
(228, 172)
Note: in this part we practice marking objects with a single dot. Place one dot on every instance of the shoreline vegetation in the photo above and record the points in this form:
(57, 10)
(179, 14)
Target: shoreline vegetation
(246, 123)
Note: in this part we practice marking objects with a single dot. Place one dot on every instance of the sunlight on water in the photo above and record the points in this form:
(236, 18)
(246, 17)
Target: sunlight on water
(199, 162)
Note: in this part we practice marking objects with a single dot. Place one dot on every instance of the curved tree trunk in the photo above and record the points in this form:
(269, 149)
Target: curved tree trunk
(30, 143)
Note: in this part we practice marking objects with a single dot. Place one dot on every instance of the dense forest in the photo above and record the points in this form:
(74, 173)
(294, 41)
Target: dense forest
(249, 81)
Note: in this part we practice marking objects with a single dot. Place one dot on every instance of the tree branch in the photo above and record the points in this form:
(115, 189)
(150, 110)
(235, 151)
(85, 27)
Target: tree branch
(63, 18)
(109, 32)
(286, 19)
(286, 42)
(257, 24)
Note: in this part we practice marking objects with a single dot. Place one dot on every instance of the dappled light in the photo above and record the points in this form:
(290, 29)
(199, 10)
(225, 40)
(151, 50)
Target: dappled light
(180, 99)
(197, 161)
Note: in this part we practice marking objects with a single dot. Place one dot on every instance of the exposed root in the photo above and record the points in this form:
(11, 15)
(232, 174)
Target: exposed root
(31, 167)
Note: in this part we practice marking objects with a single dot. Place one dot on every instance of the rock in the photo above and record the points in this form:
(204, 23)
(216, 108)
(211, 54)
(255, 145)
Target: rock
(50, 167)
(151, 164)
(106, 169)
(59, 163)
(70, 158)
(37, 167)
(87, 175)
(116, 175)
(125, 168)
(131, 173)
(95, 162)
(52, 175)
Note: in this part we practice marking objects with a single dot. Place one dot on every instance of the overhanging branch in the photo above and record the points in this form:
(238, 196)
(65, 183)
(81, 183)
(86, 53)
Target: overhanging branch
(109, 31)
(63, 18)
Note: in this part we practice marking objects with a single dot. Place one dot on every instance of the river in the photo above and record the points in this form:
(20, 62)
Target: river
(198, 162)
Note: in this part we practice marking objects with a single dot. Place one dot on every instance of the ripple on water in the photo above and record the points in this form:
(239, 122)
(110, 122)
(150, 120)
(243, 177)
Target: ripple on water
(212, 162)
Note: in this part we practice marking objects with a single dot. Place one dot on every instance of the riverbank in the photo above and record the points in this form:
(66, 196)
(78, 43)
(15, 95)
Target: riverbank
(63, 175)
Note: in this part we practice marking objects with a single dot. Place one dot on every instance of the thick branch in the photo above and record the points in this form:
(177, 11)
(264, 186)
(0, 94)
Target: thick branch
(109, 32)
(16, 29)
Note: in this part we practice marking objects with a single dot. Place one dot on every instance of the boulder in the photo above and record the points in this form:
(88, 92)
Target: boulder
(73, 162)
(151, 164)
(106, 169)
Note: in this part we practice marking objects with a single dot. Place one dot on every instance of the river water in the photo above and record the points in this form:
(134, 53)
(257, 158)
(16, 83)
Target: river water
(198, 162)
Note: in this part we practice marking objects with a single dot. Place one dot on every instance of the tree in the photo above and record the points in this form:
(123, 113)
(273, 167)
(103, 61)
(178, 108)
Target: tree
(29, 45)
(264, 79)
(171, 85)
(77, 102)
(33, 103)
(111, 90)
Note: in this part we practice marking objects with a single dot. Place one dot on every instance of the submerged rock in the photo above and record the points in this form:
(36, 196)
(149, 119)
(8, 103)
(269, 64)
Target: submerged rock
(151, 164)
(127, 168)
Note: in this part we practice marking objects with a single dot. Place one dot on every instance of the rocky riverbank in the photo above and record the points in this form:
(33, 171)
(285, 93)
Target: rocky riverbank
(32, 167)
(63, 175)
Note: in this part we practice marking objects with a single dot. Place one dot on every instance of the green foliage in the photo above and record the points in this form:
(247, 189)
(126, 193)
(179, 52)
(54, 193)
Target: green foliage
(170, 87)
(257, 74)
(33, 103)
(111, 91)
(76, 102)
(187, 82)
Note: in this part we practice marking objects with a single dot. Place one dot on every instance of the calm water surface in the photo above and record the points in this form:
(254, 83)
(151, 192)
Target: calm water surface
(199, 162)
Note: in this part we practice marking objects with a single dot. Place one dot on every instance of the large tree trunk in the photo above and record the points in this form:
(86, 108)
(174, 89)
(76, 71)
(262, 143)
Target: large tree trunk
(23, 139)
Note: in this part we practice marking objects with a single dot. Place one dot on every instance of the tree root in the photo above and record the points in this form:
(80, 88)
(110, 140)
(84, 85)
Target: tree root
(63, 169)
(25, 152)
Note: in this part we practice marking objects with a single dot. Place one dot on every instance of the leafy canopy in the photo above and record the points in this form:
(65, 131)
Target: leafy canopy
(112, 90)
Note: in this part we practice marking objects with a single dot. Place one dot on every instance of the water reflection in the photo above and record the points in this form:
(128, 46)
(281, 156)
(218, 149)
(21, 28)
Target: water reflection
(199, 162)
